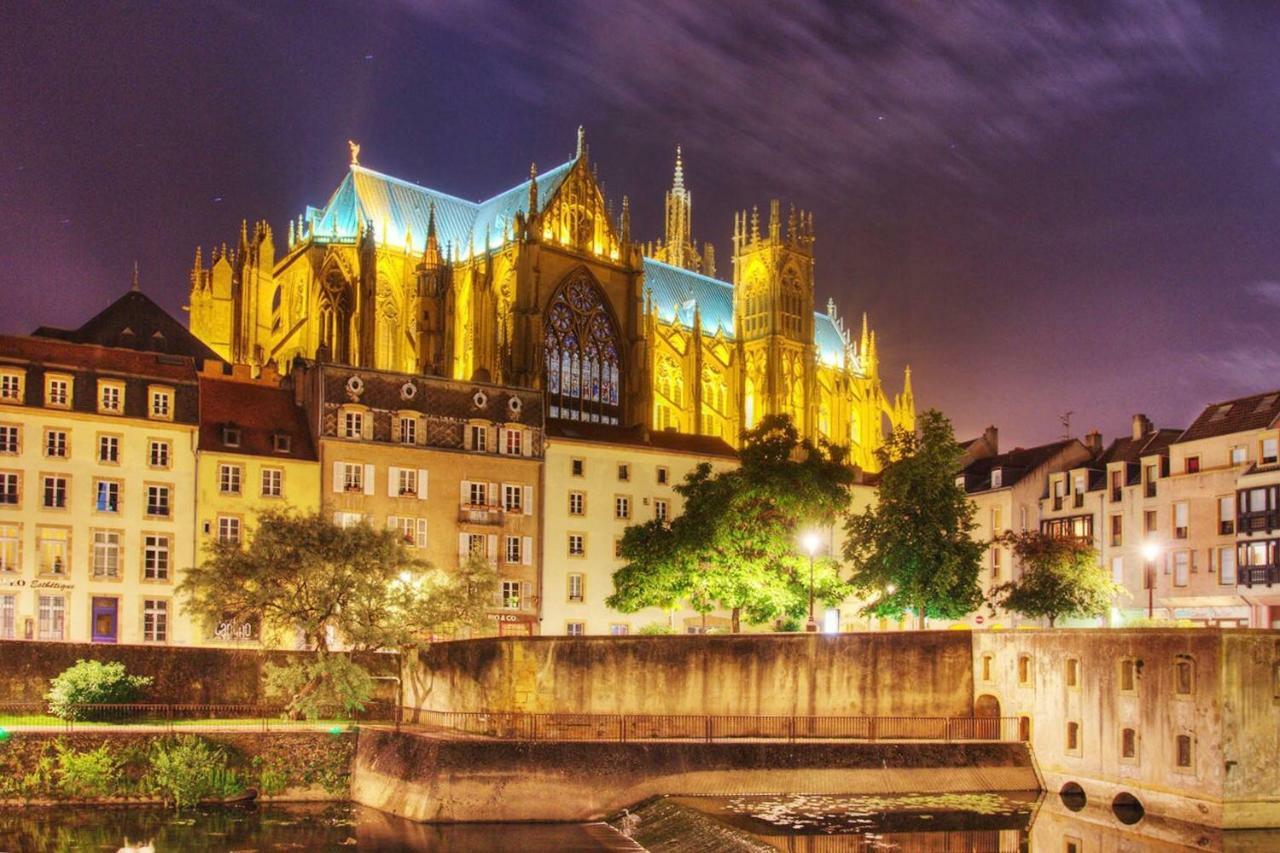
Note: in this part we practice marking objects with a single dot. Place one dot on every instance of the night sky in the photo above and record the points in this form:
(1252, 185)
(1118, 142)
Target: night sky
(1044, 206)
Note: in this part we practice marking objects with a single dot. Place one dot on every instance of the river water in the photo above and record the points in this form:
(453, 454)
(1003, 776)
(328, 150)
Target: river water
(805, 824)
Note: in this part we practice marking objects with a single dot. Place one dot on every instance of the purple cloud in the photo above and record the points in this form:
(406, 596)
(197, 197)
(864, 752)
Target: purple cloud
(816, 89)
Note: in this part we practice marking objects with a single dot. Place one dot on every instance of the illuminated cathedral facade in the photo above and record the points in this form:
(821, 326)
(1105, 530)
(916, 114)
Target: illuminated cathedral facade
(541, 287)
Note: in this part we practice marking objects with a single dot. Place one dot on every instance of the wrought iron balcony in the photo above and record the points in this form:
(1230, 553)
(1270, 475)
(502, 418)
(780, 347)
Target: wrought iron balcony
(480, 514)
(1251, 576)
(1253, 522)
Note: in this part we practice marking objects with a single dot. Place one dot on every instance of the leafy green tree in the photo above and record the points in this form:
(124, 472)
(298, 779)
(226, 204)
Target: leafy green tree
(303, 573)
(734, 544)
(912, 550)
(1060, 577)
(91, 682)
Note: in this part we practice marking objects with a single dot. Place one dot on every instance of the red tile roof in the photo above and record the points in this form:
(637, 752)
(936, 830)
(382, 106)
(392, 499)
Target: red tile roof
(55, 353)
(260, 411)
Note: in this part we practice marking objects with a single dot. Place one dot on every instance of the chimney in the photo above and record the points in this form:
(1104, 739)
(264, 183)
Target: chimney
(1141, 426)
(1093, 441)
(992, 437)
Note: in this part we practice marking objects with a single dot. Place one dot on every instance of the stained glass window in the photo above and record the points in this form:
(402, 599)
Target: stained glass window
(581, 348)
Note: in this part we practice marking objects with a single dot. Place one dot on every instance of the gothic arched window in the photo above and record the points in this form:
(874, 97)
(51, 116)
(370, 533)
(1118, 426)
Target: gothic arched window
(580, 346)
(335, 331)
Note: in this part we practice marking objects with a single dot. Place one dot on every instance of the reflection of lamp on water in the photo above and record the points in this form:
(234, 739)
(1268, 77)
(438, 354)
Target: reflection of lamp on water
(1150, 551)
(811, 542)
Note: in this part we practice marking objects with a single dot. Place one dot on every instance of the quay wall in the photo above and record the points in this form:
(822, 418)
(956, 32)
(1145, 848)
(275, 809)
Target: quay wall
(920, 673)
(430, 779)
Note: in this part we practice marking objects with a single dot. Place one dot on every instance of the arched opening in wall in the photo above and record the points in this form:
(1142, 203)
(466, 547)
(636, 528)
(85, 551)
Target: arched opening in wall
(1024, 729)
(1127, 809)
(582, 354)
(1073, 797)
(987, 709)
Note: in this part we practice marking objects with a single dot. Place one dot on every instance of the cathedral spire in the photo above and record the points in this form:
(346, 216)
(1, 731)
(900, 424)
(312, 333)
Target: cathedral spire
(677, 185)
(533, 190)
(582, 142)
(134, 287)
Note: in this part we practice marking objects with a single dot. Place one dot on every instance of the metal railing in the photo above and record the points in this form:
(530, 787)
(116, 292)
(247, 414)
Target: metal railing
(169, 717)
(710, 728)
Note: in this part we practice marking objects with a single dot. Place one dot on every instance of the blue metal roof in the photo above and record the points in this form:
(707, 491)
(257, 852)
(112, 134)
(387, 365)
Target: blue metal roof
(397, 207)
(828, 339)
(676, 291)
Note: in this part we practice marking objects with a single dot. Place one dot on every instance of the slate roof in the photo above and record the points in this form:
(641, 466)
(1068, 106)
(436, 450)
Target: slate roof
(396, 207)
(135, 322)
(1244, 414)
(1130, 451)
(433, 396)
(702, 445)
(1015, 464)
(260, 411)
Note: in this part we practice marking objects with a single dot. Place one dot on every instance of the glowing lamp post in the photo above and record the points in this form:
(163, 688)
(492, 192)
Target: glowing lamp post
(1150, 551)
(811, 542)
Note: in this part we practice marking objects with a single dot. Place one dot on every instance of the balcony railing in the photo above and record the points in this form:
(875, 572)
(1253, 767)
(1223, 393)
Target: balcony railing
(1251, 576)
(1252, 522)
(480, 514)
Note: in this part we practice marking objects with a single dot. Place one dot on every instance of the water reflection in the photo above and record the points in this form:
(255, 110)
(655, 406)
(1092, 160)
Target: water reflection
(326, 827)
(974, 823)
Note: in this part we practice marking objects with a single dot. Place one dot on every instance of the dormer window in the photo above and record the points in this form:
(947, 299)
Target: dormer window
(281, 442)
(57, 392)
(230, 435)
(11, 386)
(160, 406)
(110, 397)
(997, 478)
(353, 425)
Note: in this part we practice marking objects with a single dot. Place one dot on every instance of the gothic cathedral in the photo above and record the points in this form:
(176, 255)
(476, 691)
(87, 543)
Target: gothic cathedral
(541, 287)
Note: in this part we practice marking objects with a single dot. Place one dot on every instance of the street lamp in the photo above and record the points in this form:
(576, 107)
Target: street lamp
(1150, 551)
(811, 542)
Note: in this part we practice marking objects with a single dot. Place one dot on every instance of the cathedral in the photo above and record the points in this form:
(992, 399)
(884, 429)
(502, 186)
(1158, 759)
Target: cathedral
(541, 287)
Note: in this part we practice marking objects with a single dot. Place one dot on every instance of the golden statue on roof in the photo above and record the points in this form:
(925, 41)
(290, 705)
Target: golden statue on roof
(355, 151)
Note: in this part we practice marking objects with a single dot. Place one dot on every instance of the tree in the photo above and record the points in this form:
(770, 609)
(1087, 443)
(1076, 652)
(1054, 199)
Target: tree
(1060, 577)
(912, 551)
(734, 544)
(362, 586)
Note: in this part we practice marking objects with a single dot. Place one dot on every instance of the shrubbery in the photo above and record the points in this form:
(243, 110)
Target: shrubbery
(94, 773)
(189, 769)
(91, 682)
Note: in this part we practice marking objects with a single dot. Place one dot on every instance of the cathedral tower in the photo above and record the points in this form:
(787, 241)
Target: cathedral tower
(773, 310)
(677, 246)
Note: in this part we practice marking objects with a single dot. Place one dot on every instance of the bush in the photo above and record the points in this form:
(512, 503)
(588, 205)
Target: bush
(329, 685)
(82, 775)
(189, 769)
(91, 682)
(656, 629)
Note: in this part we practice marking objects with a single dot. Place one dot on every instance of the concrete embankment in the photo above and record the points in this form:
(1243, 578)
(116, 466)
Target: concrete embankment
(430, 779)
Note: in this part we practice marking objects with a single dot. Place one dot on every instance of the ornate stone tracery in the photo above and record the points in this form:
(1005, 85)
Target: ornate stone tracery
(581, 352)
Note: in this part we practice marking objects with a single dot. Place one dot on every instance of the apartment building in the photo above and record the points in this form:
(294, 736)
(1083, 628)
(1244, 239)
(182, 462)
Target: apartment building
(254, 453)
(1225, 470)
(1006, 489)
(97, 509)
(599, 481)
(454, 466)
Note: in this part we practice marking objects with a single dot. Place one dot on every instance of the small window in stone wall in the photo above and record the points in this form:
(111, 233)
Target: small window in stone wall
(1073, 672)
(986, 667)
(1275, 681)
(1184, 675)
(1128, 743)
(1073, 736)
(1128, 676)
(1024, 669)
(1185, 750)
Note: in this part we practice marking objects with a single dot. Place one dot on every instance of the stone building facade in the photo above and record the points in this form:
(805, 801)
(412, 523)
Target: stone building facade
(542, 287)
